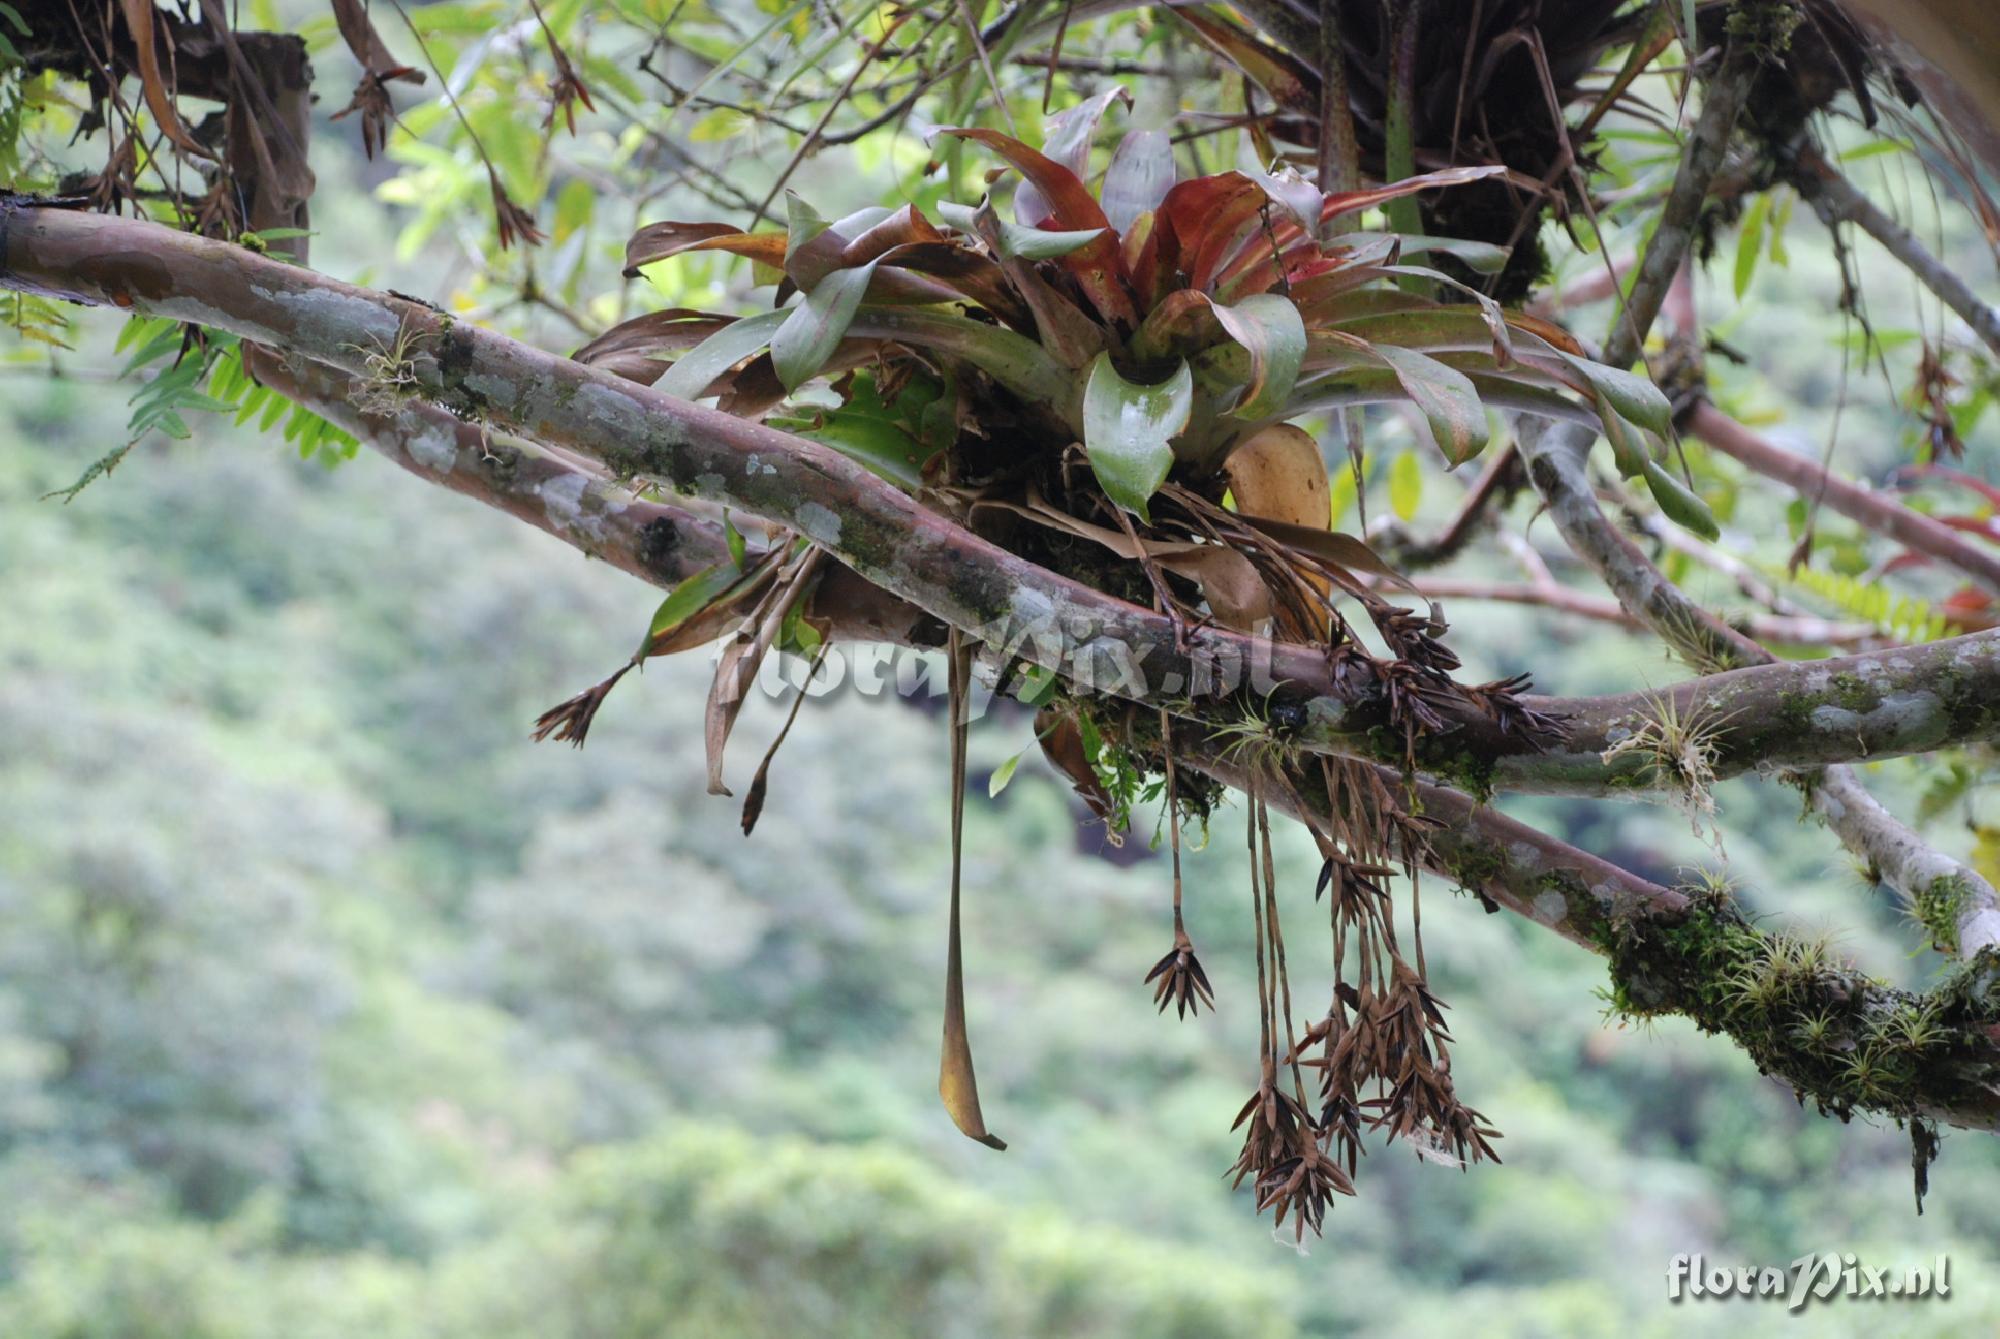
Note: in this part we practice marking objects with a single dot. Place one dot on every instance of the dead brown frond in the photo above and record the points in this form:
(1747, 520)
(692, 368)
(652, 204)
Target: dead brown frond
(567, 88)
(1303, 1185)
(371, 100)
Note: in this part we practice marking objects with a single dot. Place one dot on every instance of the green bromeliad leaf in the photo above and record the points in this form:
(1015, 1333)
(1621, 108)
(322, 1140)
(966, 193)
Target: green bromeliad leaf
(888, 439)
(694, 371)
(1447, 397)
(1680, 503)
(801, 346)
(1019, 240)
(1269, 327)
(1128, 431)
(689, 598)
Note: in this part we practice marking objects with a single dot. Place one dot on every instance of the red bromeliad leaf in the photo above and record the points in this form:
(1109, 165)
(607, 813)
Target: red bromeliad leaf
(968, 274)
(1061, 327)
(1139, 255)
(903, 227)
(631, 348)
(1207, 217)
(658, 241)
(1183, 323)
(1096, 263)
(1346, 202)
(1071, 204)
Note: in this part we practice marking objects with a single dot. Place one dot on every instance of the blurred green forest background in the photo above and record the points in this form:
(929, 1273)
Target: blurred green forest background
(332, 1006)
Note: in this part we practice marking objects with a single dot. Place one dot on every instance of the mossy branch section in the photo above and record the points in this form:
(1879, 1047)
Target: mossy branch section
(1844, 1041)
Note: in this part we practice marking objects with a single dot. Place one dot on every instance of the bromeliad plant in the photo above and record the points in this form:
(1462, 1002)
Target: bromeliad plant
(1162, 323)
(1107, 382)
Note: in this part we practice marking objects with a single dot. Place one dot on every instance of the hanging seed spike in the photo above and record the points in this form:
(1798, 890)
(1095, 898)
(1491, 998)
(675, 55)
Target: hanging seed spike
(569, 721)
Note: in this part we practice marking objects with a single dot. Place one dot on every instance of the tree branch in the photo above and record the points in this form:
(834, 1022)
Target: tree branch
(1848, 1042)
(657, 543)
(1797, 629)
(1836, 201)
(1671, 952)
(1879, 513)
(884, 536)
(1556, 465)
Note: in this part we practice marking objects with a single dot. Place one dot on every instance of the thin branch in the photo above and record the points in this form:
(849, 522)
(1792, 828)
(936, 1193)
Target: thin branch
(1787, 629)
(1877, 512)
(1501, 473)
(1835, 199)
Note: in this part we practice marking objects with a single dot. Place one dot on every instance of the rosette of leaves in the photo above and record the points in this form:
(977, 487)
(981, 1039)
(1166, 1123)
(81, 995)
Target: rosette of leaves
(1163, 323)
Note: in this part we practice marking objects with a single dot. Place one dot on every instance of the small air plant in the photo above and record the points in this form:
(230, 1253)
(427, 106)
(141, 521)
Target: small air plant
(389, 371)
(1676, 747)
(1814, 1031)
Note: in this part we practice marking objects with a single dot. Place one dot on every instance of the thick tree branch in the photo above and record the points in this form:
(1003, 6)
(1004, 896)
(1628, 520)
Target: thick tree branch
(1840, 1038)
(1669, 949)
(1784, 715)
(1781, 715)
(657, 543)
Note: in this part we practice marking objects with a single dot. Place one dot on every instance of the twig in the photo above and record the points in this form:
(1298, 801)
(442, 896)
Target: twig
(1878, 513)
(1835, 199)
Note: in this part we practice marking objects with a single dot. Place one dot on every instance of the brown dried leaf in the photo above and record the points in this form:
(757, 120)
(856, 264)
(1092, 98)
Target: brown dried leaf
(958, 1086)
(159, 98)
